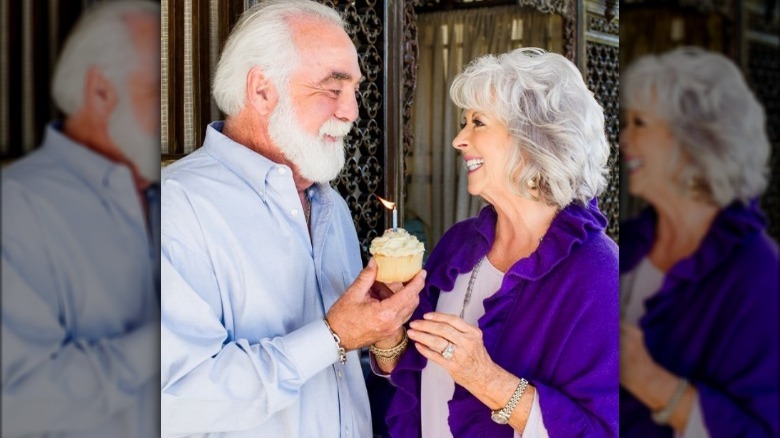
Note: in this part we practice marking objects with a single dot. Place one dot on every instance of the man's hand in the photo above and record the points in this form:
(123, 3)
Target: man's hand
(367, 312)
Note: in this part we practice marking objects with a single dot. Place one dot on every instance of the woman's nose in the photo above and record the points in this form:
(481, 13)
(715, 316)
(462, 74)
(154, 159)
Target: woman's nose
(459, 142)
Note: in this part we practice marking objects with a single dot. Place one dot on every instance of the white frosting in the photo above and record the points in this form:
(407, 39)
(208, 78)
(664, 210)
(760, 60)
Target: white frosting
(396, 243)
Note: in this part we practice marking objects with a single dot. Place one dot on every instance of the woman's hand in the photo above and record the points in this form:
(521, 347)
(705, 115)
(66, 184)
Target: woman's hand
(648, 381)
(470, 365)
(636, 365)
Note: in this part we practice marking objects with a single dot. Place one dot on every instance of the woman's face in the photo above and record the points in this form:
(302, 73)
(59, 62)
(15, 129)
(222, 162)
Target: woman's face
(648, 147)
(486, 145)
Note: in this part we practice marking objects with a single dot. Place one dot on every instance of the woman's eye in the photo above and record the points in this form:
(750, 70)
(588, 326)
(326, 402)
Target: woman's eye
(462, 125)
(477, 122)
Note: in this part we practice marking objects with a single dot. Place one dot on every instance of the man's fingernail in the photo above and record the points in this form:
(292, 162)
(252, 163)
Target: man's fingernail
(424, 274)
(371, 262)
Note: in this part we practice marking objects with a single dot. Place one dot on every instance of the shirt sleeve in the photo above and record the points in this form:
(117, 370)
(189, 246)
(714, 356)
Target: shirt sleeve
(534, 427)
(695, 427)
(53, 381)
(211, 383)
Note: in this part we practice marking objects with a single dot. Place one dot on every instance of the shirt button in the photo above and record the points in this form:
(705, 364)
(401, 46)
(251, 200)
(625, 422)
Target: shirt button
(347, 431)
(282, 171)
(340, 374)
(294, 212)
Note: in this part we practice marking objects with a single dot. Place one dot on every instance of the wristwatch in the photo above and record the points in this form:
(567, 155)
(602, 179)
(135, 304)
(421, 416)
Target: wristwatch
(502, 415)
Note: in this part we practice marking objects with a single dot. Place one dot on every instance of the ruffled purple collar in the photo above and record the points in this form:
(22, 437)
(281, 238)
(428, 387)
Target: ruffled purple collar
(569, 228)
(731, 227)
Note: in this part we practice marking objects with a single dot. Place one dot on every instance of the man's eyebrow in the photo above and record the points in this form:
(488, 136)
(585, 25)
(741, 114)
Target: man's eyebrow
(339, 76)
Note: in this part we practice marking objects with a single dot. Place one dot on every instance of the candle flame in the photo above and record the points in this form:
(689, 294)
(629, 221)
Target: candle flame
(388, 205)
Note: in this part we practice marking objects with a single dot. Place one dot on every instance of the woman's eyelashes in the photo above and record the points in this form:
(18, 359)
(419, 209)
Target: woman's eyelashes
(476, 121)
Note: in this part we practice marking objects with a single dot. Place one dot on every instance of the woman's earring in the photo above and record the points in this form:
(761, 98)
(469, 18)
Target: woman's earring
(697, 187)
(533, 183)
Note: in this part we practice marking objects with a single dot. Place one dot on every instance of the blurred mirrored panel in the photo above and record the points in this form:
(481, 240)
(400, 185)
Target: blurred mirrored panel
(80, 145)
(700, 218)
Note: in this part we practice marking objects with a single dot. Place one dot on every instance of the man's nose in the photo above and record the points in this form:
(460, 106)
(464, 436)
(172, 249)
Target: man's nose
(347, 109)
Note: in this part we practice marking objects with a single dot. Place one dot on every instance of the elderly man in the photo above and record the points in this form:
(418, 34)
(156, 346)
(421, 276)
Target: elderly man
(80, 266)
(264, 305)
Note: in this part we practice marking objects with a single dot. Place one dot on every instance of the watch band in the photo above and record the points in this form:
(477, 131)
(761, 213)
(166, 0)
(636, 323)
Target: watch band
(502, 415)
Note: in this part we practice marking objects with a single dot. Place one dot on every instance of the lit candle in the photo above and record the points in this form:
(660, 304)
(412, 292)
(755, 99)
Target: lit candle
(391, 206)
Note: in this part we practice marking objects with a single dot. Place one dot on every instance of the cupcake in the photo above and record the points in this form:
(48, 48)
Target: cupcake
(398, 256)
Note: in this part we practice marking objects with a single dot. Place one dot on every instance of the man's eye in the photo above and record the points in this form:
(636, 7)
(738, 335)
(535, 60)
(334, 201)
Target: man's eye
(336, 92)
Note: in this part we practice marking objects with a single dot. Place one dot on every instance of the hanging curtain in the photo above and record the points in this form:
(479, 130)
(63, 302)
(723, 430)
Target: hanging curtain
(437, 195)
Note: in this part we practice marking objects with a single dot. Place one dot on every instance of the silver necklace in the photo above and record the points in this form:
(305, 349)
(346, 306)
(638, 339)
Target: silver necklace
(470, 287)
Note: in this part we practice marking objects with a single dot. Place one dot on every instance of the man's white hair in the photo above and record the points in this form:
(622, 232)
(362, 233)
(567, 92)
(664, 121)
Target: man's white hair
(100, 38)
(555, 122)
(716, 119)
(263, 38)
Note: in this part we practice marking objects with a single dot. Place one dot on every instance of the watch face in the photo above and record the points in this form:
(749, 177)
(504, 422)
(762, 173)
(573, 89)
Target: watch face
(499, 418)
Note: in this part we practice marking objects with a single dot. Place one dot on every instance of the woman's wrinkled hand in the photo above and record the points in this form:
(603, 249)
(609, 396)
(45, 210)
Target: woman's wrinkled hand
(470, 366)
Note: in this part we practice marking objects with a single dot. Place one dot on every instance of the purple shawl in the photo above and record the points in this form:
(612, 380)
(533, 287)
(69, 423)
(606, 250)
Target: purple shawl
(714, 321)
(554, 321)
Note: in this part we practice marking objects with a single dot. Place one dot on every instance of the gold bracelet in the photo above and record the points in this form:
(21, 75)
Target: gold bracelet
(390, 354)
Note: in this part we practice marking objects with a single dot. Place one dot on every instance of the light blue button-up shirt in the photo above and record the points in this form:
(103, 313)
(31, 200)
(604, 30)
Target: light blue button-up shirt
(80, 306)
(245, 351)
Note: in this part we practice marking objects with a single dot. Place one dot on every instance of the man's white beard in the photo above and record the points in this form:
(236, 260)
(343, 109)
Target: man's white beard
(137, 145)
(317, 159)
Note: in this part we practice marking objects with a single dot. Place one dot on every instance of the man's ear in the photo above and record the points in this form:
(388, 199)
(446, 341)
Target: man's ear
(100, 95)
(261, 93)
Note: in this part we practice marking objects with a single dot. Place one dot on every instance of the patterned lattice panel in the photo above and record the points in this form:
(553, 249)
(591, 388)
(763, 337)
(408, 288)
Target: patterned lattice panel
(603, 80)
(764, 75)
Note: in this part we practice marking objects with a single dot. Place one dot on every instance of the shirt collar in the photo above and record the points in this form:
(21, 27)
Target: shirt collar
(247, 164)
(252, 167)
(94, 168)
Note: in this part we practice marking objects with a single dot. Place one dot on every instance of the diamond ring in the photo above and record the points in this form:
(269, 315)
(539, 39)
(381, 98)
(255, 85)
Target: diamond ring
(447, 353)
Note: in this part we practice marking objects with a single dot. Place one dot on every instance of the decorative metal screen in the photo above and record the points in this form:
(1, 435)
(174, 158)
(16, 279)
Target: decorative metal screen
(603, 80)
(602, 76)
(764, 73)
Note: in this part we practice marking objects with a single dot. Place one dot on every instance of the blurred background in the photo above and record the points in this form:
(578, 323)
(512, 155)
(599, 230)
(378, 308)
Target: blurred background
(746, 31)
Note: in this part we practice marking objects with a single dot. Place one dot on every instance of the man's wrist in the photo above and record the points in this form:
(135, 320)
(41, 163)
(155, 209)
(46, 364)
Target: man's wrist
(339, 346)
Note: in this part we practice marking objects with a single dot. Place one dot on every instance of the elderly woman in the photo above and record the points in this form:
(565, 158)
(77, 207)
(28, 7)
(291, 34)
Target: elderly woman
(698, 272)
(517, 327)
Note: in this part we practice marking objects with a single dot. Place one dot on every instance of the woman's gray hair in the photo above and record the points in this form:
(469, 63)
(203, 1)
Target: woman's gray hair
(263, 38)
(556, 123)
(100, 38)
(716, 119)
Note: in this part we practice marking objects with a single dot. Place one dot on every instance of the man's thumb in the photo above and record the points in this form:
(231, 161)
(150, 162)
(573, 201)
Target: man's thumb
(366, 278)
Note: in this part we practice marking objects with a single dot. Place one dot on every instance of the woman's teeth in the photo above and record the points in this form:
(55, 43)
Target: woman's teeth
(633, 163)
(474, 164)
